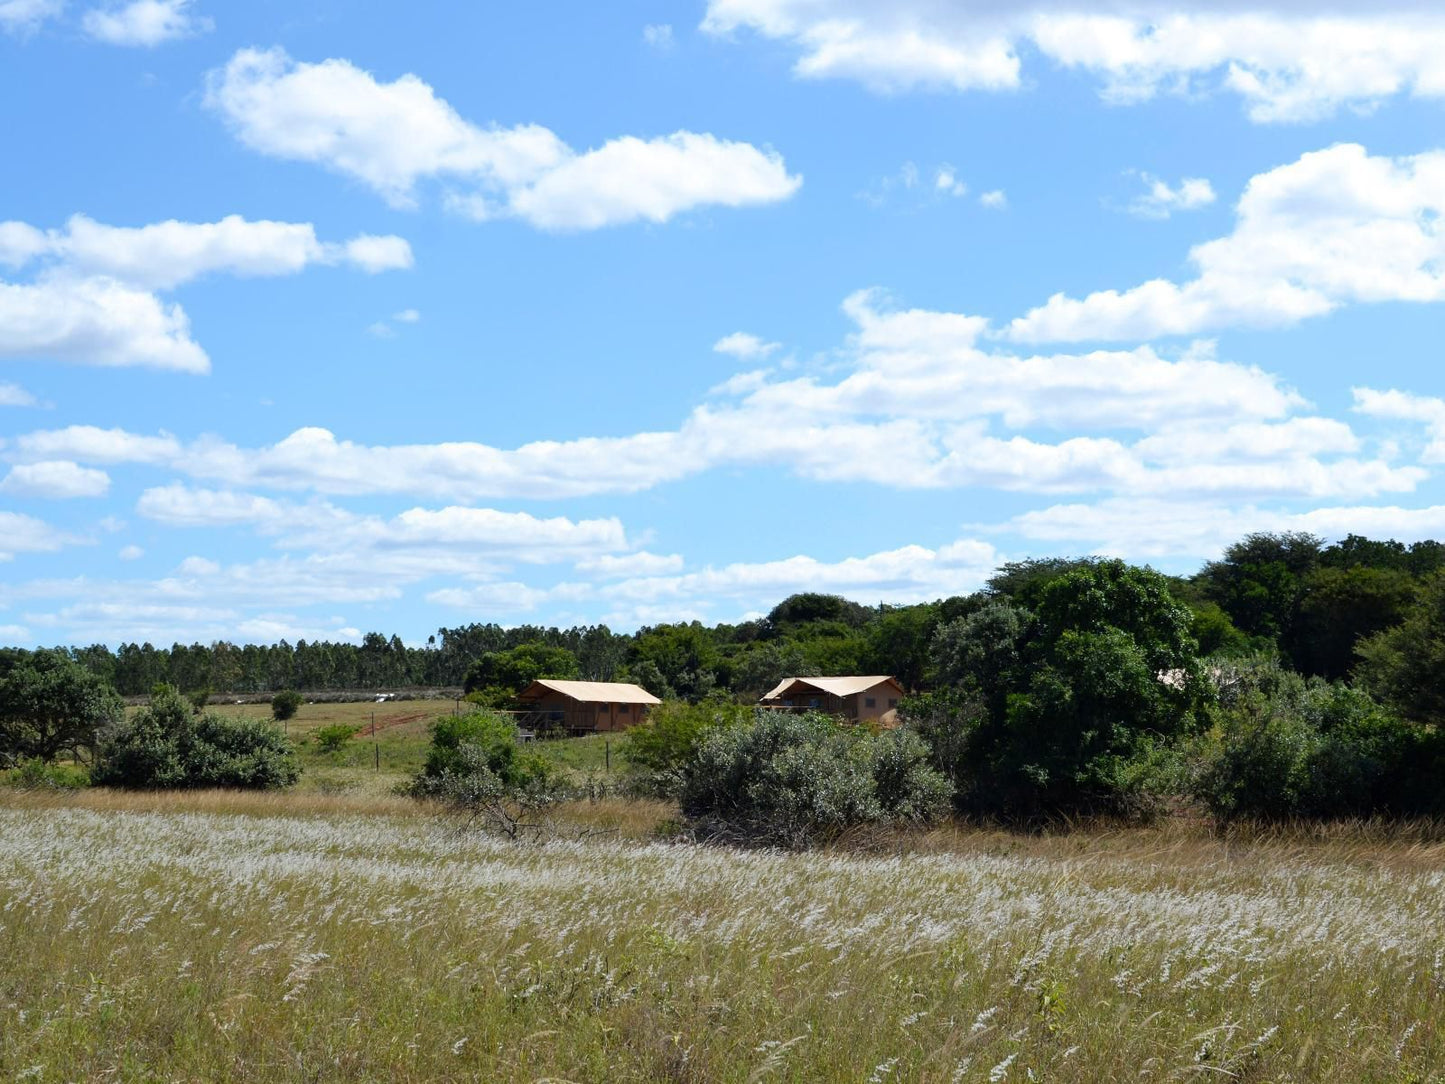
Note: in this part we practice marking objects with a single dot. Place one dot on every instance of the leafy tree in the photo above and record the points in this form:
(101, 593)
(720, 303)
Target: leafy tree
(49, 704)
(898, 642)
(1260, 583)
(285, 705)
(1343, 606)
(981, 654)
(808, 607)
(1289, 747)
(1080, 703)
(1215, 632)
(476, 767)
(1023, 582)
(1403, 665)
(504, 674)
(767, 662)
(685, 657)
(166, 745)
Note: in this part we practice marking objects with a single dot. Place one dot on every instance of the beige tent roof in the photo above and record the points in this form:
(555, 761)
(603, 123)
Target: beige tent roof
(837, 686)
(591, 692)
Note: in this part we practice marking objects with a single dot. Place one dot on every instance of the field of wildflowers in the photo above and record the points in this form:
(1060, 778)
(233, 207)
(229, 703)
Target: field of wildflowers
(217, 940)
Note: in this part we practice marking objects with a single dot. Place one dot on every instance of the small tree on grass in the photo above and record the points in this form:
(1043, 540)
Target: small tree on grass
(167, 746)
(476, 768)
(285, 705)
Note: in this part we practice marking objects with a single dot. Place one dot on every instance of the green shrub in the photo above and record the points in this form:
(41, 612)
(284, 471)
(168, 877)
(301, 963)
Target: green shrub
(166, 745)
(37, 774)
(658, 748)
(792, 780)
(199, 698)
(332, 738)
(1290, 748)
(476, 767)
(285, 705)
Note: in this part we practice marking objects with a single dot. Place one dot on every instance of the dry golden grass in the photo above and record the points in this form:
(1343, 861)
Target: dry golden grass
(216, 936)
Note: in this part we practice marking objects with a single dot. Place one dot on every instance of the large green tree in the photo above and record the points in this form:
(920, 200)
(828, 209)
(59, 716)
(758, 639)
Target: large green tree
(506, 673)
(1080, 697)
(50, 704)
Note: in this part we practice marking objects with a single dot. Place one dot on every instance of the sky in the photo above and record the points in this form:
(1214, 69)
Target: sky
(319, 318)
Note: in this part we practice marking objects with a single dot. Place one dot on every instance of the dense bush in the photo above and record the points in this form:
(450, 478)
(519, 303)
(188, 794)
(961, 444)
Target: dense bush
(658, 749)
(1289, 747)
(476, 767)
(333, 738)
(479, 741)
(166, 745)
(791, 780)
(285, 705)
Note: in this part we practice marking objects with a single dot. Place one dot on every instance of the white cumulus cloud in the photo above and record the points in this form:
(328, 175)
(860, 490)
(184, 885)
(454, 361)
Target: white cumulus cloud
(392, 135)
(1160, 200)
(144, 22)
(1337, 226)
(1287, 61)
(745, 346)
(55, 480)
(93, 298)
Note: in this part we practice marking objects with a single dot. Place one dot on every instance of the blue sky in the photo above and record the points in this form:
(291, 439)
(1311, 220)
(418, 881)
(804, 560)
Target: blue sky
(317, 318)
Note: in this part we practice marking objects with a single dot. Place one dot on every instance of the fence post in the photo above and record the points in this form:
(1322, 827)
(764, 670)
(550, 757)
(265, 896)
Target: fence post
(375, 745)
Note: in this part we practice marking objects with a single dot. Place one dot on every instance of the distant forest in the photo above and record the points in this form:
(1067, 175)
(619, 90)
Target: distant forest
(1312, 604)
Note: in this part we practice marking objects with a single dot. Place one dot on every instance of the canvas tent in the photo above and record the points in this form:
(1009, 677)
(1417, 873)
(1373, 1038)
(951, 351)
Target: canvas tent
(585, 705)
(858, 699)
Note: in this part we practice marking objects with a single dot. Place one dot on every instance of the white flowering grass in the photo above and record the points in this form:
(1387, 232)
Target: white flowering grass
(180, 944)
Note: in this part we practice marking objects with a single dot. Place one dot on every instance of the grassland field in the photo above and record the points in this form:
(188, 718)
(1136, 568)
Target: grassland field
(342, 933)
(399, 743)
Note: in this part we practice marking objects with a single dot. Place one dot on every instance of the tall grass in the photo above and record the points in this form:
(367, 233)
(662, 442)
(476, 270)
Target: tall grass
(239, 938)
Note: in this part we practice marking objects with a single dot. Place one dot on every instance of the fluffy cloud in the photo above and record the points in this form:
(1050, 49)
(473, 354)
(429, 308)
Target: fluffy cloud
(24, 16)
(93, 300)
(1335, 227)
(96, 321)
(482, 534)
(745, 347)
(1155, 527)
(144, 22)
(55, 480)
(920, 406)
(1288, 62)
(1396, 405)
(26, 534)
(902, 575)
(15, 395)
(1159, 200)
(392, 135)
(165, 255)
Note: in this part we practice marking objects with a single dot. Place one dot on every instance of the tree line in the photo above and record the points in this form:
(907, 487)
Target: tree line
(1313, 605)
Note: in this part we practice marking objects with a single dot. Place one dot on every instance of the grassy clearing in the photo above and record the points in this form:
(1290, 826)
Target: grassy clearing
(375, 762)
(354, 937)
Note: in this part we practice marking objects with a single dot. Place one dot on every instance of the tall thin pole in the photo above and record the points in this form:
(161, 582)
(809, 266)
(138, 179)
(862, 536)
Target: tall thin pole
(375, 746)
